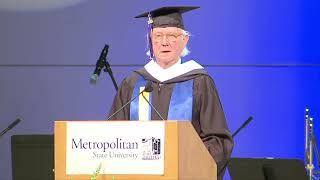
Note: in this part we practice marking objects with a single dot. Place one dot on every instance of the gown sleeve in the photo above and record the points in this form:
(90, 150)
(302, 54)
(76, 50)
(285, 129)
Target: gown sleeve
(210, 123)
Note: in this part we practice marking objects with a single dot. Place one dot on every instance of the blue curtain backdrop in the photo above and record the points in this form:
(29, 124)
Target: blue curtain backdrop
(263, 55)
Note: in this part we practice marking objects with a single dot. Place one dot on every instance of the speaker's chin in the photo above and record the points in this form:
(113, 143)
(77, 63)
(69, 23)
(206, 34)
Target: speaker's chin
(36, 5)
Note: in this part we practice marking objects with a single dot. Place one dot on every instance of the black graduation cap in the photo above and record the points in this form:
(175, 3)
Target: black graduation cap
(168, 16)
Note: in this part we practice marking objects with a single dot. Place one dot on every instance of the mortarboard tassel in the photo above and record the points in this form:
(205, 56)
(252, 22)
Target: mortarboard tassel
(150, 27)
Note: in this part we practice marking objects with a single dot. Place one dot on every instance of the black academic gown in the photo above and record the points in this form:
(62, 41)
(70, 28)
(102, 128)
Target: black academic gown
(207, 114)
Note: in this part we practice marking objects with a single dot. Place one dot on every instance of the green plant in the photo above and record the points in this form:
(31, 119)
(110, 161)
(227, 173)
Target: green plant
(96, 173)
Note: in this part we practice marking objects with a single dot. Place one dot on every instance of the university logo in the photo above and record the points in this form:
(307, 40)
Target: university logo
(151, 149)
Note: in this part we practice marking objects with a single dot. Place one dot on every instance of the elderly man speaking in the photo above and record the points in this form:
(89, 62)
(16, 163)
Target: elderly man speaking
(179, 91)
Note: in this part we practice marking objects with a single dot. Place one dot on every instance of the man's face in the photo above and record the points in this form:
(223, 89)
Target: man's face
(168, 44)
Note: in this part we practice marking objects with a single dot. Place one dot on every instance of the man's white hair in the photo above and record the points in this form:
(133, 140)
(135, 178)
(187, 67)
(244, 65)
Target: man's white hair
(184, 52)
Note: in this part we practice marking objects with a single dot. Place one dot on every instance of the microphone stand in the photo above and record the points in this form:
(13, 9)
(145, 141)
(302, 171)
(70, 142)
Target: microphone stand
(306, 146)
(233, 135)
(311, 148)
(314, 140)
(109, 70)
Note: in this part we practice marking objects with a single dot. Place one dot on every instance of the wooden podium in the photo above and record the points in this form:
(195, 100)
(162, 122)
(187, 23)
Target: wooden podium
(185, 157)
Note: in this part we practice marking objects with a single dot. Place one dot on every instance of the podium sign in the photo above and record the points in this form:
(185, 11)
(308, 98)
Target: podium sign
(135, 150)
(118, 147)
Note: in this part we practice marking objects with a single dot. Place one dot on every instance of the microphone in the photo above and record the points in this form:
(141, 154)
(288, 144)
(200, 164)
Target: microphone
(99, 65)
(146, 89)
(150, 89)
(233, 135)
(242, 126)
(10, 126)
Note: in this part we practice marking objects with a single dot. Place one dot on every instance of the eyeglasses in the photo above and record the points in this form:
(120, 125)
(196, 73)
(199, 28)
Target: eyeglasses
(170, 37)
